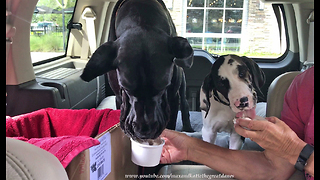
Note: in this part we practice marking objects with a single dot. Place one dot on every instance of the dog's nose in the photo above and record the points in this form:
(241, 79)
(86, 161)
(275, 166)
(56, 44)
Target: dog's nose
(243, 103)
(243, 100)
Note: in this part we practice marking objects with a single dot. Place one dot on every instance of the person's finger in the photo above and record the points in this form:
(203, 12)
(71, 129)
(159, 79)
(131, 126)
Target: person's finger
(163, 156)
(244, 132)
(271, 119)
(164, 133)
(253, 125)
(170, 134)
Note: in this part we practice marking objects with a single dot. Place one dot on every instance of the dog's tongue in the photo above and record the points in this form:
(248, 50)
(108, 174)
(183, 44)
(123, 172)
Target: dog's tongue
(247, 113)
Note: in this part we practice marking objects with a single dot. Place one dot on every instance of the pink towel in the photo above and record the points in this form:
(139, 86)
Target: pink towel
(62, 132)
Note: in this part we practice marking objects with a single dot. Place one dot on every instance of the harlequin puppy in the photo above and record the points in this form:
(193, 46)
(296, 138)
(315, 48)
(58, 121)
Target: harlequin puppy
(230, 88)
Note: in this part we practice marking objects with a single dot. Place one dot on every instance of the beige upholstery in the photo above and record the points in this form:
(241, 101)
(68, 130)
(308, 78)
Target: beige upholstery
(26, 161)
(108, 102)
(276, 92)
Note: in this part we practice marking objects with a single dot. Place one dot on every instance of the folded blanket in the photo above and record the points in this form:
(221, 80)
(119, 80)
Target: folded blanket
(62, 132)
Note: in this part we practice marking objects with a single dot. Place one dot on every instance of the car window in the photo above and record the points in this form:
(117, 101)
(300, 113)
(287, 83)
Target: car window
(48, 32)
(242, 27)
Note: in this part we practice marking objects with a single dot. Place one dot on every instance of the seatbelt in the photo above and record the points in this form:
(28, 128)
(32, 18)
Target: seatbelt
(310, 54)
(84, 46)
(89, 16)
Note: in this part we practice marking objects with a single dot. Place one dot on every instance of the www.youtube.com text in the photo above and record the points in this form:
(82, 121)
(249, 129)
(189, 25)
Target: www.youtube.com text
(178, 176)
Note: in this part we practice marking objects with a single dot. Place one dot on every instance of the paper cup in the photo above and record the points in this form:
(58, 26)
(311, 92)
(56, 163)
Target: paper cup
(146, 155)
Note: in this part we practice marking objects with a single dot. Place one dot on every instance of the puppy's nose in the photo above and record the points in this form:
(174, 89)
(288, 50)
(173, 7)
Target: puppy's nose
(243, 103)
(243, 100)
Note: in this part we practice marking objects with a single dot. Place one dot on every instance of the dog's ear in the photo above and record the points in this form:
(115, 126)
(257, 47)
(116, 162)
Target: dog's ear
(258, 76)
(101, 61)
(182, 51)
(207, 87)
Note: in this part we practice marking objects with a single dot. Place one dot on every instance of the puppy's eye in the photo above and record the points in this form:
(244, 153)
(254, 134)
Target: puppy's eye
(242, 74)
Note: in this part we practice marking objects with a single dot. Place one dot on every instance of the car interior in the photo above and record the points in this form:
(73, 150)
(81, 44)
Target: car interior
(37, 78)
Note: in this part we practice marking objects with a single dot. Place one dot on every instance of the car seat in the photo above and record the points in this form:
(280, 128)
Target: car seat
(26, 161)
(276, 92)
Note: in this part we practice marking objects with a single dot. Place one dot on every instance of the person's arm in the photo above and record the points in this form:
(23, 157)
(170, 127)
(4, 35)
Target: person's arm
(242, 164)
(298, 111)
(309, 168)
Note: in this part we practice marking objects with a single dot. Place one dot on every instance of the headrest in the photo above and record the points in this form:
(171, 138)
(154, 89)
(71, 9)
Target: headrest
(27, 161)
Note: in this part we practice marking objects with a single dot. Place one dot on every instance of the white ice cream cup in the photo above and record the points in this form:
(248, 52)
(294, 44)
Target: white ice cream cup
(146, 155)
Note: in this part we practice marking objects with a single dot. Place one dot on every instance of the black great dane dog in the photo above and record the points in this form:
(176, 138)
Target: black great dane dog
(144, 58)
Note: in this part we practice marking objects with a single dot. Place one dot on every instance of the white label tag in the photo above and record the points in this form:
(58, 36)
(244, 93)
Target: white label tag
(100, 158)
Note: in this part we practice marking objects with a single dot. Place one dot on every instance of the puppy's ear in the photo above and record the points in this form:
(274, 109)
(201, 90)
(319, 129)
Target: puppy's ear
(258, 76)
(101, 61)
(207, 87)
(182, 51)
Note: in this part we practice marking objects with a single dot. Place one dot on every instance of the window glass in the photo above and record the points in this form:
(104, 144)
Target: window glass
(48, 32)
(243, 27)
(234, 3)
(195, 42)
(212, 44)
(231, 45)
(195, 21)
(195, 3)
(233, 21)
(214, 21)
(215, 3)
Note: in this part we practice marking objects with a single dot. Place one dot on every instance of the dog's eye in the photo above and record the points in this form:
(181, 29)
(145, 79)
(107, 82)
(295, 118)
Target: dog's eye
(242, 74)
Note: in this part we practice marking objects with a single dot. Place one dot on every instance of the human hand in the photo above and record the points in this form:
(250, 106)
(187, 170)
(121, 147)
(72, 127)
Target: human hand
(175, 148)
(273, 135)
